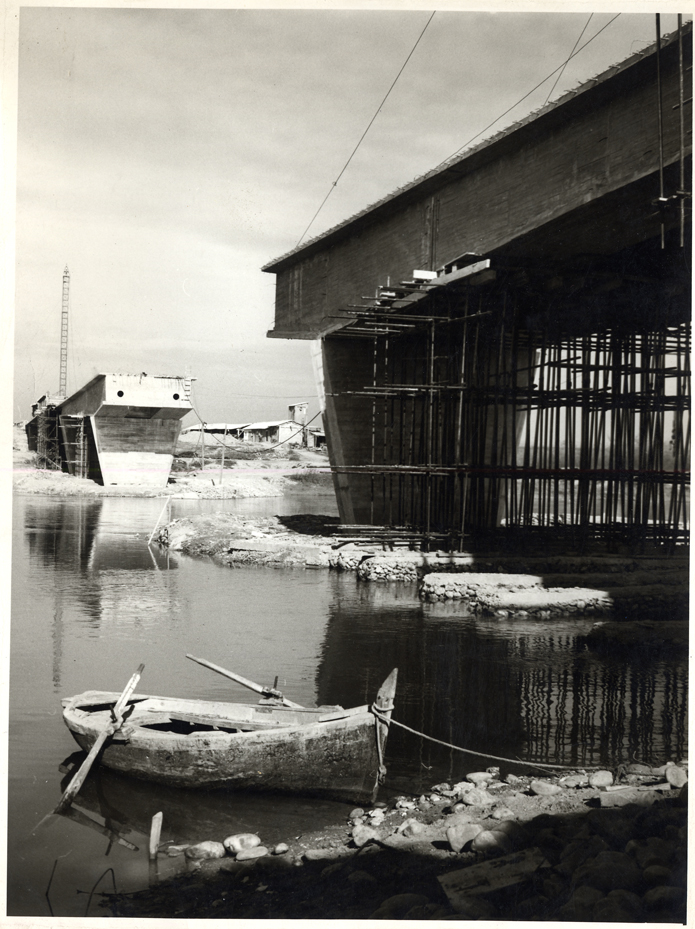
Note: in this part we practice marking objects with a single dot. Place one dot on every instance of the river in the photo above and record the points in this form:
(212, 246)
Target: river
(91, 601)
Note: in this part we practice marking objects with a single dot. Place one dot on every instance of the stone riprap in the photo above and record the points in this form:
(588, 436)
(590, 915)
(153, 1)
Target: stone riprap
(589, 846)
(512, 594)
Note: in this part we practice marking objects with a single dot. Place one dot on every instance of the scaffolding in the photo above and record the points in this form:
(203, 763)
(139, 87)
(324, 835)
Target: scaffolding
(488, 421)
(47, 439)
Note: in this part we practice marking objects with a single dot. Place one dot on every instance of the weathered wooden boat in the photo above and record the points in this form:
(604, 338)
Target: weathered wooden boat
(326, 751)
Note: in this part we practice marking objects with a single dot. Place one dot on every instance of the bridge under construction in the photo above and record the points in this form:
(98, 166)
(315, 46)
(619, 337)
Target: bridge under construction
(504, 344)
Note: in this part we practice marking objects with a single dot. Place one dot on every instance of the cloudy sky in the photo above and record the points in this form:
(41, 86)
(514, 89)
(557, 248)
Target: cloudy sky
(166, 155)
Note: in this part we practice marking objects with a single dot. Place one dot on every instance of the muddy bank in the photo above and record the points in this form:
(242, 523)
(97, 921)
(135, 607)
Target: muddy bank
(594, 845)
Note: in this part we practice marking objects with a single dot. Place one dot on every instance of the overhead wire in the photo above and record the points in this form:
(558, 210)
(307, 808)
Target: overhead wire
(533, 89)
(371, 121)
(560, 68)
(586, 25)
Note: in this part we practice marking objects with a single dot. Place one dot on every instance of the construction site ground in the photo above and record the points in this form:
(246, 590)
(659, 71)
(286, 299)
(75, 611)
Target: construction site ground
(242, 471)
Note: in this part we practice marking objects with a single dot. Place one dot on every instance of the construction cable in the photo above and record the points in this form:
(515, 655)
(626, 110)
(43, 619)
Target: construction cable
(562, 71)
(533, 89)
(354, 151)
(468, 751)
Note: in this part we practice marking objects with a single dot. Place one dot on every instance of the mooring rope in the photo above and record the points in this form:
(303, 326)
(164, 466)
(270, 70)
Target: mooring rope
(469, 751)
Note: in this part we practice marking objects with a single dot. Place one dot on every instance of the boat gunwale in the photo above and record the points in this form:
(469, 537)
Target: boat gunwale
(137, 732)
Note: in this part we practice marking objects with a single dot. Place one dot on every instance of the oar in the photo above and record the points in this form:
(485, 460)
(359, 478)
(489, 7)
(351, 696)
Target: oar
(264, 691)
(109, 730)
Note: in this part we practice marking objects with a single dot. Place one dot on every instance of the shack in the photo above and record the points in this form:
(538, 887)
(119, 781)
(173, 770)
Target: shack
(523, 368)
(235, 430)
(116, 429)
(273, 433)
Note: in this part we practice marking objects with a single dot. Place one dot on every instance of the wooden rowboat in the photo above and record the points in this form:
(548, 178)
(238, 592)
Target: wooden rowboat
(326, 751)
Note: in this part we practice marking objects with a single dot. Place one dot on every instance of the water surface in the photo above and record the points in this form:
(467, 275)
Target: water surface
(91, 601)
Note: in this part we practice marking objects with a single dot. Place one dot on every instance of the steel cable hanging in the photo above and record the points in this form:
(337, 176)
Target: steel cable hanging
(586, 26)
(378, 110)
(533, 89)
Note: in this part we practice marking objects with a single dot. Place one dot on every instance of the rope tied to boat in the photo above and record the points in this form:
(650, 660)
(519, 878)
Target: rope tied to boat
(468, 751)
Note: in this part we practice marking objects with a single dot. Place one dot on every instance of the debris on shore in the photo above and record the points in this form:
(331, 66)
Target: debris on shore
(585, 846)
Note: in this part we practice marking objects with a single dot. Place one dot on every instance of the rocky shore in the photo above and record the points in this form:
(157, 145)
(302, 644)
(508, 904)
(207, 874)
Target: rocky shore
(586, 846)
(489, 584)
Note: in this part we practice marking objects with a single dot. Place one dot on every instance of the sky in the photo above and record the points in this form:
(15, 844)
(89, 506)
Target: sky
(166, 155)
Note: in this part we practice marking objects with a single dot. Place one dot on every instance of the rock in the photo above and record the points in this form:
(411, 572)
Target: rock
(513, 780)
(554, 885)
(488, 840)
(676, 776)
(205, 850)
(627, 796)
(479, 778)
(363, 834)
(580, 905)
(325, 854)
(544, 788)
(417, 845)
(551, 844)
(240, 842)
(361, 877)
(459, 814)
(638, 768)
(247, 854)
(477, 797)
(475, 908)
(514, 832)
(621, 906)
(652, 851)
(404, 804)
(664, 898)
(574, 780)
(576, 853)
(356, 814)
(397, 906)
(411, 827)
(376, 817)
(174, 850)
(656, 874)
(609, 871)
(600, 779)
(281, 848)
(502, 812)
(460, 836)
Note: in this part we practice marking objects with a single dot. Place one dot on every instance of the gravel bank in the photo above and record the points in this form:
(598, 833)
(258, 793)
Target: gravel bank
(592, 846)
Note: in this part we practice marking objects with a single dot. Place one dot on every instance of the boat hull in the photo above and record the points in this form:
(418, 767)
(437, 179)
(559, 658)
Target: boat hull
(297, 751)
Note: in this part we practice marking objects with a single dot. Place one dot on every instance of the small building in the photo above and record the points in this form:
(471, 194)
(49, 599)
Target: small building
(117, 429)
(315, 438)
(273, 433)
(235, 430)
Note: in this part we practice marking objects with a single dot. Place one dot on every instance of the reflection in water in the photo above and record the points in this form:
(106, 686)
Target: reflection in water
(126, 806)
(118, 575)
(516, 689)
(91, 601)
